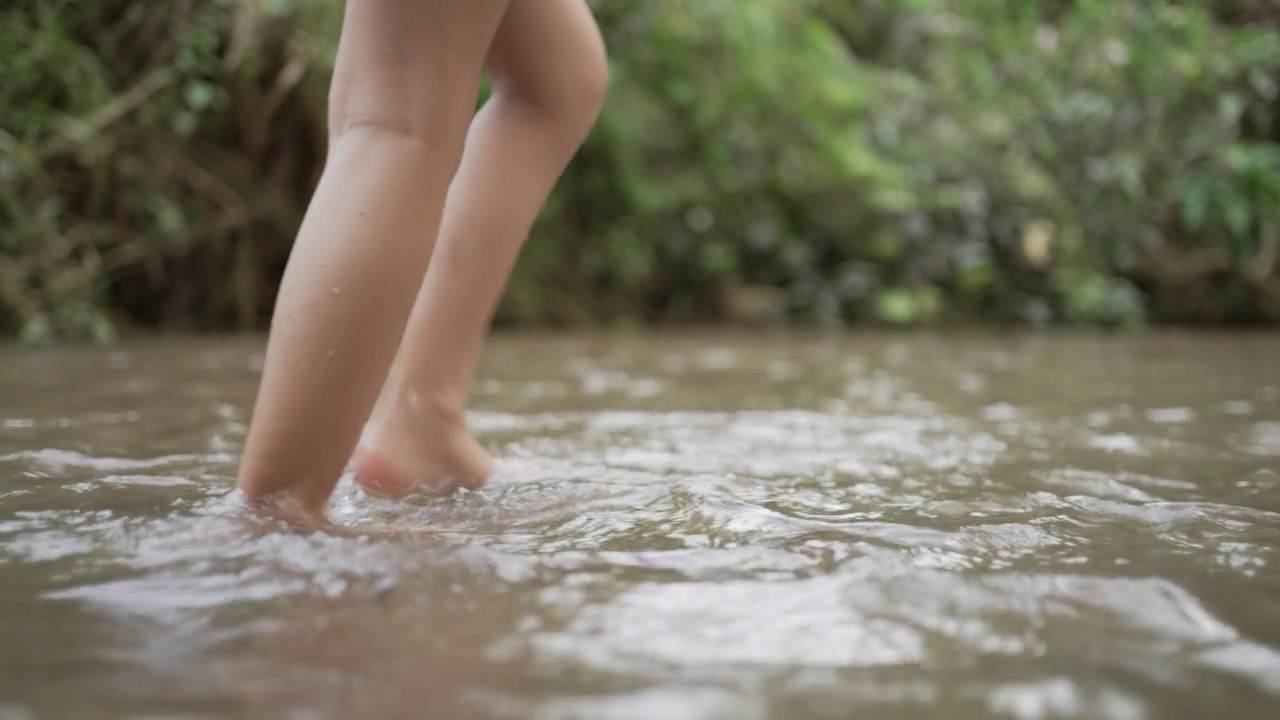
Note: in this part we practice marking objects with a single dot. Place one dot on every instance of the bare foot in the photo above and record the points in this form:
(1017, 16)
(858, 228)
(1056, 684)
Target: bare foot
(411, 450)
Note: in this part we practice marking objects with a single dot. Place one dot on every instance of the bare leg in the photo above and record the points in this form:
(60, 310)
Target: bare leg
(403, 94)
(549, 76)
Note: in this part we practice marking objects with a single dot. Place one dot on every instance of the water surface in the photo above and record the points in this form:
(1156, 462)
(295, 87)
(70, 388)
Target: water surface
(712, 527)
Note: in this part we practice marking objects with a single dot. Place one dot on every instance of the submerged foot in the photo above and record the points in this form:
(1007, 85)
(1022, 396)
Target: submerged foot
(406, 453)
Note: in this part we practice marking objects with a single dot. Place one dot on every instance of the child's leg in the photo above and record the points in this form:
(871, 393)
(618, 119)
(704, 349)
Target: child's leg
(549, 76)
(403, 94)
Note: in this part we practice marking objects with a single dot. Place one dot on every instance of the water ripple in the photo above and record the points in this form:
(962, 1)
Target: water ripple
(808, 530)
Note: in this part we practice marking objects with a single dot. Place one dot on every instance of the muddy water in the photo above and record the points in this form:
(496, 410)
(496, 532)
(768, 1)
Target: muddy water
(716, 527)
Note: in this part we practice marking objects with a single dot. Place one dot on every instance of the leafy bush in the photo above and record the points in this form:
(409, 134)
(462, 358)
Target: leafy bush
(153, 160)
(893, 161)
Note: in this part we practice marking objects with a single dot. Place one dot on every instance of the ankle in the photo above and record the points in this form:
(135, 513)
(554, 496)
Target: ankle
(420, 446)
(436, 410)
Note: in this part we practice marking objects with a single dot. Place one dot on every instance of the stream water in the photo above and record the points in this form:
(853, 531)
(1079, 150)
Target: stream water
(721, 526)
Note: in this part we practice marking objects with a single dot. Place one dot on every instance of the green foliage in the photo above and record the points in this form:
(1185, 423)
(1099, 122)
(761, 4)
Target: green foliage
(144, 176)
(1109, 121)
(901, 162)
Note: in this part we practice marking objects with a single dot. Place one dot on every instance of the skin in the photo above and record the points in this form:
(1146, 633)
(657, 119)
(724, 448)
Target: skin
(410, 238)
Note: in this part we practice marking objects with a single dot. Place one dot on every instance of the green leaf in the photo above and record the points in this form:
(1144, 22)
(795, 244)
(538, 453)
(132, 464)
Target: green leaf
(975, 277)
(929, 303)
(1238, 217)
(719, 258)
(1194, 199)
(896, 306)
(199, 94)
(102, 329)
(36, 330)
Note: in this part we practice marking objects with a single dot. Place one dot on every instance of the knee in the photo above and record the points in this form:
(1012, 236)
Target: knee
(569, 97)
(365, 119)
(585, 99)
(364, 138)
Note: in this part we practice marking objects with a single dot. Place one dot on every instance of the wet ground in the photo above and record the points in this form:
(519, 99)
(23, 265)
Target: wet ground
(714, 527)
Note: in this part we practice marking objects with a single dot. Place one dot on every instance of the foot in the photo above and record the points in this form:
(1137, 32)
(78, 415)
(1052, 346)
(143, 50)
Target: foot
(409, 451)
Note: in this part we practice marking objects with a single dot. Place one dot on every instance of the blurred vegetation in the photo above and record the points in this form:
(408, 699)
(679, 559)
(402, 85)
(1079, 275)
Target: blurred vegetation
(904, 162)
